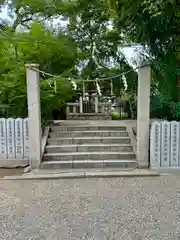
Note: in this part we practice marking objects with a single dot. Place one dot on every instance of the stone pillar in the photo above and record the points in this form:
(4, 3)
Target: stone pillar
(143, 113)
(96, 104)
(81, 104)
(34, 114)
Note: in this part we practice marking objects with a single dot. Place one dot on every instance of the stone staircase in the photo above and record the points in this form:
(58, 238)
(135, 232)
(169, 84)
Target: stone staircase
(88, 144)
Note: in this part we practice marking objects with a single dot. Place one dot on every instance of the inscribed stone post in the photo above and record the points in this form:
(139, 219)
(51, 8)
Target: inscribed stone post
(11, 138)
(19, 138)
(155, 145)
(26, 138)
(174, 145)
(165, 144)
(3, 139)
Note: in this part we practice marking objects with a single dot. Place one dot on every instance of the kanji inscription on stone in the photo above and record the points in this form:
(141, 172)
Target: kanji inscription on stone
(3, 139)
(155, 145)
(10, 138)
(174, 144)
(26, 137)
(165, 144)
(19, 138)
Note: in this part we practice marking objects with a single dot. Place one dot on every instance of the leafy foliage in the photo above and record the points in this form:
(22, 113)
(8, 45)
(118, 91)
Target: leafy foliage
(155, 25)
(97, 42)
(54, 53)
(90, 42)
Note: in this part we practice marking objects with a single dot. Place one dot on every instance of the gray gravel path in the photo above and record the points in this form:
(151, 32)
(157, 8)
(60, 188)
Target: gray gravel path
(100, 209)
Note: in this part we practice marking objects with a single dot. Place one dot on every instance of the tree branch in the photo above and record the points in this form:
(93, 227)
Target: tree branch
(20, 21)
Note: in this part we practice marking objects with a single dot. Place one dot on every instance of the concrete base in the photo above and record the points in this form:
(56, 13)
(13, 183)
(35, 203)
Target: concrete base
(89, 116)
(13, 163)
(143, 164)
(166, 170)
(86, 173)
(34, 164)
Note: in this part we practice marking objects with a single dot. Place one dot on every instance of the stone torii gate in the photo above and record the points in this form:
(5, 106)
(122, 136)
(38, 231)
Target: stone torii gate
(143, 110)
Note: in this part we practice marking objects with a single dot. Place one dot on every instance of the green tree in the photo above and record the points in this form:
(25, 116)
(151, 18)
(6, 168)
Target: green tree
(91, 39)
(154, 25)
(97, 42)
(55, 54)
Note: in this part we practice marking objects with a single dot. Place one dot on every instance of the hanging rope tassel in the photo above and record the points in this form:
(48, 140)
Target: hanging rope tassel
(125, 82)
(98, 88)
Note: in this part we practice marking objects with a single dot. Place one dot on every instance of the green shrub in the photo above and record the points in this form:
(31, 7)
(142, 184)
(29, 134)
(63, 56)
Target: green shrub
(116, 116)
(163, 107)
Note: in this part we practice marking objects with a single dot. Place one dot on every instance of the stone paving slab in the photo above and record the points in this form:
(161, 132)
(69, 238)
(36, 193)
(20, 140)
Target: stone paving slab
(100, 209)
(84, 173)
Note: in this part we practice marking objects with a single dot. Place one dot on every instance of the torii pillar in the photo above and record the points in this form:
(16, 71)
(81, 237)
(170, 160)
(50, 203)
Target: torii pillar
(143, 115)
(34, 114)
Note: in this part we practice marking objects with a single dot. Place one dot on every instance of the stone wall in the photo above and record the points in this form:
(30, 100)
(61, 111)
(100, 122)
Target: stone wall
(89, 116)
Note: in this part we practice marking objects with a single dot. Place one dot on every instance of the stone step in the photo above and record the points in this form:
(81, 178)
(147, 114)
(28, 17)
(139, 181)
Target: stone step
(88, 156)
(78, 164)
(73, 173)
(67, 123)
(89, 134)
(87, 128)
(89, 148)
(89, 140)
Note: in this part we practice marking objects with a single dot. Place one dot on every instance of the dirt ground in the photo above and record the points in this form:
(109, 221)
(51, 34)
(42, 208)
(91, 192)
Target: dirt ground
(9, 172)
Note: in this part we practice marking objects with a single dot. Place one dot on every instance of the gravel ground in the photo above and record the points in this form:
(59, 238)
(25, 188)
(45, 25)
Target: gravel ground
(100, 209)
